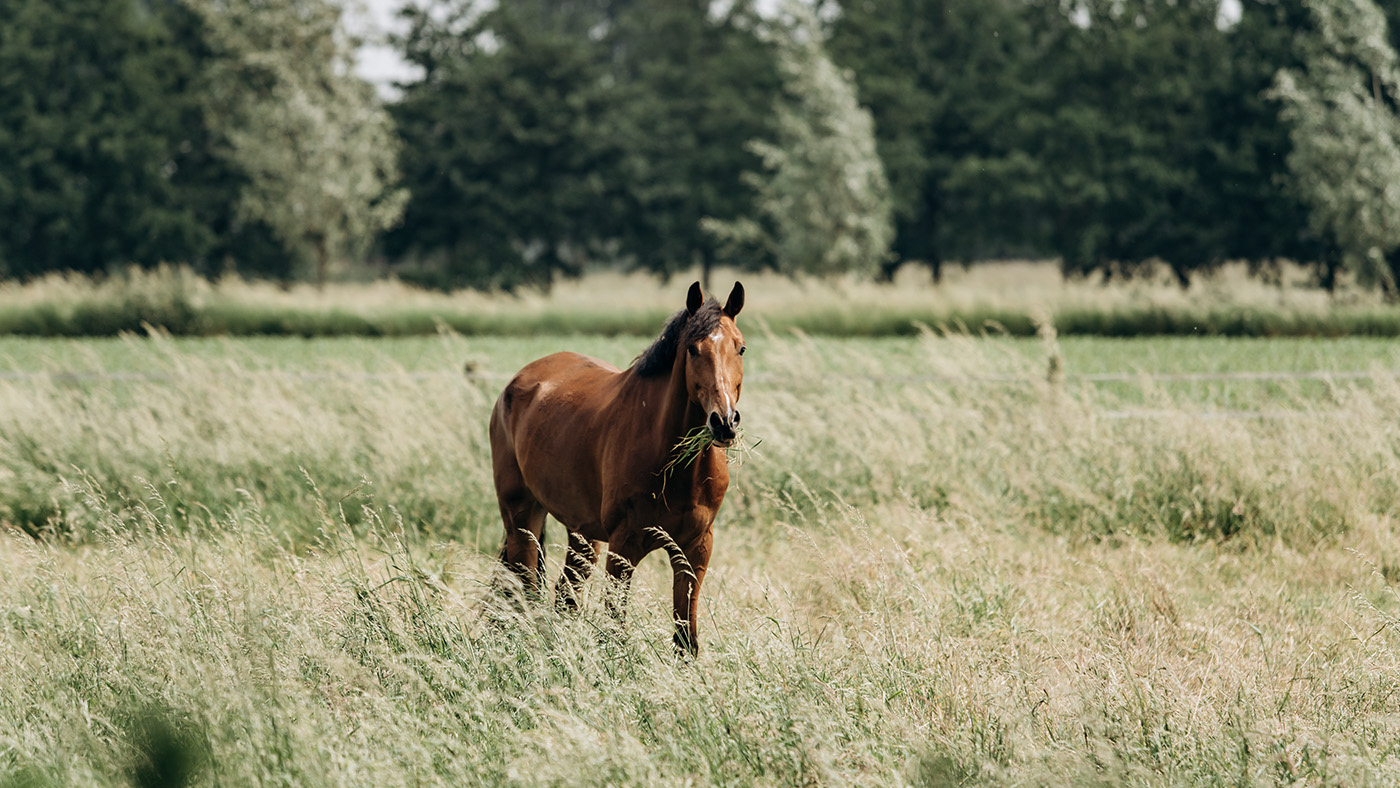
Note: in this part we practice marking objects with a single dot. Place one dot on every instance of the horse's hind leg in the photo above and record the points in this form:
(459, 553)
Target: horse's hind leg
(578, 564)
(523, 551)
(521, 512)
(523, 516)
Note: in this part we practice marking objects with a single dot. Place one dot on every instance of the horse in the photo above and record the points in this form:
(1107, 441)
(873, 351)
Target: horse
(594, 447)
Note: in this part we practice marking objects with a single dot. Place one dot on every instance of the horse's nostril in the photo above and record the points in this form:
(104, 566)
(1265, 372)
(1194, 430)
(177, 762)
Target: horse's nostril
(719, 428)
(736, 418)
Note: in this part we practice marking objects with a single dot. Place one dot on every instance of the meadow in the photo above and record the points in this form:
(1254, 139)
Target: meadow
(951, 559)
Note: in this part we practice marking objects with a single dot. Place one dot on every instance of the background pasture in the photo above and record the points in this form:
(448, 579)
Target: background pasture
(953, 559)
(1008, 298)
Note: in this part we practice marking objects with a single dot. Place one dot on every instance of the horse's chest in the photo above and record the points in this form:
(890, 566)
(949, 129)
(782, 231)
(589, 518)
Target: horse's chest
(681, 502)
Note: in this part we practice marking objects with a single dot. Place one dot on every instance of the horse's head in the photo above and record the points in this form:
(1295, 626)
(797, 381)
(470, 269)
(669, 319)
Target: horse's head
(714, 371)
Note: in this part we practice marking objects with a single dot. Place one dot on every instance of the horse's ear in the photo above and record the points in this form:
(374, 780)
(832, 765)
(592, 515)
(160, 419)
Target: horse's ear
(694, 298)
(735, 302)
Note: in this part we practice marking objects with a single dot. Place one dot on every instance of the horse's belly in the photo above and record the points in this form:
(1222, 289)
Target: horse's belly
(575, 504)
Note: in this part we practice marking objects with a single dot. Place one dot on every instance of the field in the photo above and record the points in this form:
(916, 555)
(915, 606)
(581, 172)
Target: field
(951, 560)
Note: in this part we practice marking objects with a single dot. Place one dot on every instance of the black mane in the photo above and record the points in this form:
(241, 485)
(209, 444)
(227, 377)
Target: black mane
(681, 330)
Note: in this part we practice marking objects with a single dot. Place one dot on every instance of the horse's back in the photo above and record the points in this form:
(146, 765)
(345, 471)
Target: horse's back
(566, 381)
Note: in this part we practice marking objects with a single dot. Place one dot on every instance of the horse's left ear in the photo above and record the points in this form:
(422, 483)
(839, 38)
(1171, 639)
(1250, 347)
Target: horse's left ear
(735, 302)
(694, 298)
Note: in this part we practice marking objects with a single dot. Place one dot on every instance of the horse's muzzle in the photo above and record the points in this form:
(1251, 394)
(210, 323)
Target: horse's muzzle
(722, 430)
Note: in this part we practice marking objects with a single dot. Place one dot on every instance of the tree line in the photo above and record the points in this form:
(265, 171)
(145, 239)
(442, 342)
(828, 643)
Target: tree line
(544, 137)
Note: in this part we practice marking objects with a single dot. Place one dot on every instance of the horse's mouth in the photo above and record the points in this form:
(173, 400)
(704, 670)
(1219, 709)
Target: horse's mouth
(722, 443)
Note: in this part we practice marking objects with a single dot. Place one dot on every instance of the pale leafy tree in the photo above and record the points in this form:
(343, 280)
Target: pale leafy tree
(823, 199)
(1345, 129)
(315, 144)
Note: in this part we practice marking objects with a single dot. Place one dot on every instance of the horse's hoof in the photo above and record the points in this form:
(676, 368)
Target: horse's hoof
(686, 647)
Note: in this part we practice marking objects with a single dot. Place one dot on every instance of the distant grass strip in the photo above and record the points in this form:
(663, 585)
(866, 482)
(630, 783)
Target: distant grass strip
(236, 319)
(992, 301)
(233, 319)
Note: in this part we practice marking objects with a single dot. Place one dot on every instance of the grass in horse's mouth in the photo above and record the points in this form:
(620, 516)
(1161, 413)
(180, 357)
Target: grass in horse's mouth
(699, 439)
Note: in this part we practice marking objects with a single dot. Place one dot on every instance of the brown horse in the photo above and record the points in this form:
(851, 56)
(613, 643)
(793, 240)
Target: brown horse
(593, 446)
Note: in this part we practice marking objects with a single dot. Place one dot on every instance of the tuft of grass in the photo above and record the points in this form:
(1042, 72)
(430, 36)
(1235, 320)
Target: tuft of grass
(694, 443)
(699, 440)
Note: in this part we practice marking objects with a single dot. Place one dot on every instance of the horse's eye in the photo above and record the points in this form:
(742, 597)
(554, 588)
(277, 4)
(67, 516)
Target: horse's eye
(742, 348)
(693, 350)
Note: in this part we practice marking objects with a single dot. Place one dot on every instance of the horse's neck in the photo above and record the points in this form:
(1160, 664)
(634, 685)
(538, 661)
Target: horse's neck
(671, 413)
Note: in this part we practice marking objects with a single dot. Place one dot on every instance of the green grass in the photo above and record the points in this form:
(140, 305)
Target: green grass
(269, 562)
(994, 298)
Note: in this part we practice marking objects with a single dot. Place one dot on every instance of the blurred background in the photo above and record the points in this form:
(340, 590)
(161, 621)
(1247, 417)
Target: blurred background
(498, 145)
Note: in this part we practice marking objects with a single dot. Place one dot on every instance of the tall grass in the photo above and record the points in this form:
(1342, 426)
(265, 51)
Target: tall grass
(995, 297)
(984, 578)
(980, 432)
(216, 435)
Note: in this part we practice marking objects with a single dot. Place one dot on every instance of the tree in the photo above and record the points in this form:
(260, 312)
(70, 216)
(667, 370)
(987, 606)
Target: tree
(312, 140)
(696, 86)
(1129, 143)
(508, 145)
(1343, 111)
(96, 123)
(949, 83)
(1260, 222)
(628, 124)
(823, 199)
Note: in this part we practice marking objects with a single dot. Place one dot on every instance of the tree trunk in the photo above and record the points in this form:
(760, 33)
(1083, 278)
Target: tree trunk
(888, 269)
(1330, 264)
(322, 264)
(1183, 276)
(1392, 265)
(935, 268)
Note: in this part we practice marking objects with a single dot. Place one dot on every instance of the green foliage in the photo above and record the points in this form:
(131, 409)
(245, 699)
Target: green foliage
(1125, 166)
(544, 136)
(950, 83)
(98, 105)
(697, 86)
(314, 144)
(506, 146)
(1341, 106)
(1108, 134)
(1259, 219)
(1145, 139)
(191, 131)
(822, 200)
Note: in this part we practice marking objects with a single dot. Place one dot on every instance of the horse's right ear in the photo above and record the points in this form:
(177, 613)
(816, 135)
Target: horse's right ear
(694, 298)
(735, 302)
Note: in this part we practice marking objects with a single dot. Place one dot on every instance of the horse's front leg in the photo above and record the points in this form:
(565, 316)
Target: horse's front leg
(578, 565)
(688, 567)
(626, 549)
